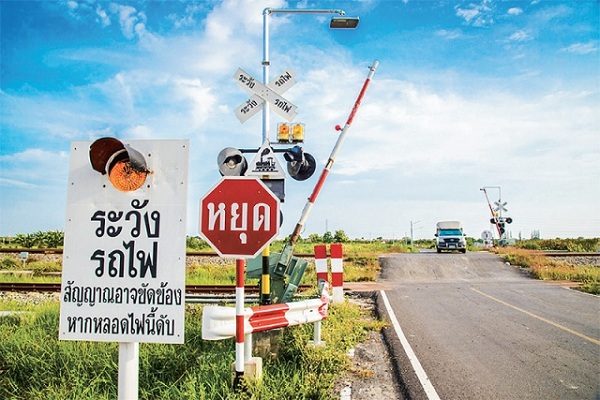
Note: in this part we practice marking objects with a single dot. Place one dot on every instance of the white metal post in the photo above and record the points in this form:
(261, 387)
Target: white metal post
(317, 336)
(265, 63)
(247, 347)
(129, 355)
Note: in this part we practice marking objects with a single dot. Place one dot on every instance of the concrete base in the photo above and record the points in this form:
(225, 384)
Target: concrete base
(266, 344)
(252, 369)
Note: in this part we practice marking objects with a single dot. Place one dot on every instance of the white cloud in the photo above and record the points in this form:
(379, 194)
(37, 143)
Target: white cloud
(515, 11)
(103, 17)
(449, 34)
(520, 36)
(582, 48)
(467, 14)
(477, 14)
(34, 166)
(128, 17)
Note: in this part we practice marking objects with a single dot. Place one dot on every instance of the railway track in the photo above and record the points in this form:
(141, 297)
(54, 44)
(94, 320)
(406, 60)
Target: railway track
(189, 289)
(60, 251)
(307, 255)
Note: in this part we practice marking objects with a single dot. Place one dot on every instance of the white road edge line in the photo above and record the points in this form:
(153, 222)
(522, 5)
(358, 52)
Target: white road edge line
(414, 361)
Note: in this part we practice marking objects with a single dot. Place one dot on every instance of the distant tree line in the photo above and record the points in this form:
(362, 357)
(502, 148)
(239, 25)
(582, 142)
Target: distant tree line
(56, 239)
(48, 239)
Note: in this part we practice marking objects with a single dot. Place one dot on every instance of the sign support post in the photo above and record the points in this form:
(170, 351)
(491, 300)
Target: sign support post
(239, 322)
(239, 217)
(129, 354)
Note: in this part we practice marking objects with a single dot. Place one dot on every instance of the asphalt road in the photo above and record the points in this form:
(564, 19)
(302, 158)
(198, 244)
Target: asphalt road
(481, 329)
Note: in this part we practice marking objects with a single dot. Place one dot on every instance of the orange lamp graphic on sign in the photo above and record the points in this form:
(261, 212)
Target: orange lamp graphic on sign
(126, 167)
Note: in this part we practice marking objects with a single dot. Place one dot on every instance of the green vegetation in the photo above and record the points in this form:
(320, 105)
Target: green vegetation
(360, 258)
(577, 245)
(49, 239)
(544, 268)
(34, 364)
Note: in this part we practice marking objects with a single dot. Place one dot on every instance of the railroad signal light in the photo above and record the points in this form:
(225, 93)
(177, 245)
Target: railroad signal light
(501, 227)
(126, 167)
(283, 132)
(298, 133)
(290, 133)
(231, 162)
(301, 165)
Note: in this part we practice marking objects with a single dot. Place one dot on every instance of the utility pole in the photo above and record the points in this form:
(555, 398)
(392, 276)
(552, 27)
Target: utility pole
(411, 231)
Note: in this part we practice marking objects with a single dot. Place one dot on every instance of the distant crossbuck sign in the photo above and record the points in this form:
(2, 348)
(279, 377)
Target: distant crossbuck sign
(261, 93)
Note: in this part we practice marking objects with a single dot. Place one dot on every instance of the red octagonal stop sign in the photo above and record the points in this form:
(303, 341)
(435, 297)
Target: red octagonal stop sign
(239, 216)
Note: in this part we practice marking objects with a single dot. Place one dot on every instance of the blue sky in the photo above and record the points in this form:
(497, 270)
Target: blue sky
(467, 94)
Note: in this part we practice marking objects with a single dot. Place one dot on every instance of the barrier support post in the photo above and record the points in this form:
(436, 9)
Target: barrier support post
(245, 365)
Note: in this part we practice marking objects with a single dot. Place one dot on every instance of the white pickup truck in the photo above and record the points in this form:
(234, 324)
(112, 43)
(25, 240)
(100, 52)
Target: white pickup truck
(449, 236)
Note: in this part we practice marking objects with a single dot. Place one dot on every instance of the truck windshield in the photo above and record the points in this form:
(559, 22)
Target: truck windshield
(450, 232)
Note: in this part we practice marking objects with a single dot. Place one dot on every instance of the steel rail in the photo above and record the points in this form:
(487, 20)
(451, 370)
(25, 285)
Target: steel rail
(190, 253)
(189, 289)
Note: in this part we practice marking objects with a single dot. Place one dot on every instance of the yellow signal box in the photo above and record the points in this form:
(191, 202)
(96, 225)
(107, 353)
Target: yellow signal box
(298, 132)
(283, 132)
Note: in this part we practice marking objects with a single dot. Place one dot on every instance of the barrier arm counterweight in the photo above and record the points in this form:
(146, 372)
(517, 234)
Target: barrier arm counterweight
(286, 253)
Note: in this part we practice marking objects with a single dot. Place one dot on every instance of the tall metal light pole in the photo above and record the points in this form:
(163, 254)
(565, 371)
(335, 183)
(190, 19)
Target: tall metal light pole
(345, 22)
(412, 224)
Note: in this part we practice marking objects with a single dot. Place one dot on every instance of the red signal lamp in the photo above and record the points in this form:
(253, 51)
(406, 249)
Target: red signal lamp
(126, 167)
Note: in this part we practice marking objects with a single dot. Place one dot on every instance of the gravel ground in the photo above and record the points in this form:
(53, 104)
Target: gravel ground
(372, 375)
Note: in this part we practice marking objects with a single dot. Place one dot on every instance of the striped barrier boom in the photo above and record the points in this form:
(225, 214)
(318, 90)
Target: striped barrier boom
(218, 322)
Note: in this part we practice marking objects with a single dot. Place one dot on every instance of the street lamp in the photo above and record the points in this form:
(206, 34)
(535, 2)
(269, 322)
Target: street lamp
(342, 22)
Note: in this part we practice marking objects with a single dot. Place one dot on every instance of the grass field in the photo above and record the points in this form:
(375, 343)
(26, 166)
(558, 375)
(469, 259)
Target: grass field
(34, 364)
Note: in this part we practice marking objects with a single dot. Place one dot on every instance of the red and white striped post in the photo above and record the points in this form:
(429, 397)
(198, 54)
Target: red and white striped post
(321, 262)
(337, 268)
(239, 322)
(337, 272)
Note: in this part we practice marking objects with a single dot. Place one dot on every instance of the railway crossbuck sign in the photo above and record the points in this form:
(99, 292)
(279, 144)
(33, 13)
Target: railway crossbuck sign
(239, 217)
(261, 93)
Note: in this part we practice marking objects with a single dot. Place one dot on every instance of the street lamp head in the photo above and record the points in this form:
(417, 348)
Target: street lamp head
(344, 22)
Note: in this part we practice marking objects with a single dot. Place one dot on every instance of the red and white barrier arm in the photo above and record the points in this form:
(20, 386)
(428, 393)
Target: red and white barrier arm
(218, 322)
(311, 200)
